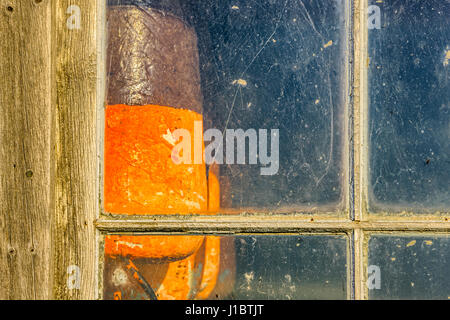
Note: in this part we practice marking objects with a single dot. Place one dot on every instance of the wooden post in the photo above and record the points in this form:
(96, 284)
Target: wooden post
(74, 149)
(48, 149)
(25, 118)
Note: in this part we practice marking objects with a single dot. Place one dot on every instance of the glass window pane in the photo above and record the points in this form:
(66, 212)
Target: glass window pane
(409, 93)
(264, 81)
(409, 267)
(225, 267)
(290, 55)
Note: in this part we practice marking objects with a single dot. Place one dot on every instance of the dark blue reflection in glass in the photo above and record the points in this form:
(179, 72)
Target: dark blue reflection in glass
(277, 65)
(291, 267)
(409, 105)
(410, 267)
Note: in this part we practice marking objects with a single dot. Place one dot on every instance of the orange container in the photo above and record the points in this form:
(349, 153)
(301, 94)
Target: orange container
(153, 88)
(141, 173)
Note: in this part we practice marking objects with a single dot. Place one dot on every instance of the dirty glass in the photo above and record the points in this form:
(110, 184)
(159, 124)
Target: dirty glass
(255, 89)
(409, 104)
(409, 267)
(226, 267)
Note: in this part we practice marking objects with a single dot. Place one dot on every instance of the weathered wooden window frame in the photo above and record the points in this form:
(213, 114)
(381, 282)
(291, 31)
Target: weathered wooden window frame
(62, 73)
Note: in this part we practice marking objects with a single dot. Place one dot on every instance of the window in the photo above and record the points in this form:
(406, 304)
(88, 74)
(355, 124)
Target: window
(329, 123)
(272, 98)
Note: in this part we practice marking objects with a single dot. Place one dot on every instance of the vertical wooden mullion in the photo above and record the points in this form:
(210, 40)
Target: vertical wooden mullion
(360, 143)
(360, 107)
(74, 153)
(25, 106)
(359, 258)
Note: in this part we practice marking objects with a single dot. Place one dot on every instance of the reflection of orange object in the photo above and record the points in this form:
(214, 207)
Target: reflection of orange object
(213, 193)
(140, 175)
(227, 269)
(212, 244)
(211, 267)
(202, 266)
(178, 282)
(163, 248)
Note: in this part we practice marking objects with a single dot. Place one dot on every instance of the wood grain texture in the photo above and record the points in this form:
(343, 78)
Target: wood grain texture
(25, 149)
(360, 145)
(74, 153)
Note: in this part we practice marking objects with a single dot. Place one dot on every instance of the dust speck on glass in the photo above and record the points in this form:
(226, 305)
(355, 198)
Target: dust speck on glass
(409, 106)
